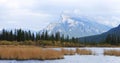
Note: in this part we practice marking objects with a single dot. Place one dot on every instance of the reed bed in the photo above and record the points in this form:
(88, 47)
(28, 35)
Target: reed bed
(28, 53)
(84, 52)
(68, 52)
(112, 52)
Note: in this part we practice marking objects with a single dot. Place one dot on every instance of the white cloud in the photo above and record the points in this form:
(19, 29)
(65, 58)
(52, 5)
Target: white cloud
(27, 12)
(109, 21)
(20, 14)
(36, 14)
(14, 4)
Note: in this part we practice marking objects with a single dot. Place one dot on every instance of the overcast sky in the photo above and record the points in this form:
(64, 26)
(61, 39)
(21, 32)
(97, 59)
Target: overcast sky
(37, 14)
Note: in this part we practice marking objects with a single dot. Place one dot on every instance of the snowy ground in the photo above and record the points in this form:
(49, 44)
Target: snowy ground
(99, 58)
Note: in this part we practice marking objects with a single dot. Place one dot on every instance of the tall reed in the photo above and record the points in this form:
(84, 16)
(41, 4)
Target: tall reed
(84, 51)
(68, 52)
(27, 53)
(112, 52)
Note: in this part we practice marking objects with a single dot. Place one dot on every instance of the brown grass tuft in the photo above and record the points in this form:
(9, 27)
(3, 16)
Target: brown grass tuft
(112, 52)
(84, 51)
(68, 52)
(27, 53)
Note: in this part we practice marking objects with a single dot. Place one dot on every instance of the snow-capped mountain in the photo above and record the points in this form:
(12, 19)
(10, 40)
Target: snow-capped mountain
(76, 26)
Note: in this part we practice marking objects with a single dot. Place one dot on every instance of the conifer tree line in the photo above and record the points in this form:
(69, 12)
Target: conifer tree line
(113, 39)
(21, 35)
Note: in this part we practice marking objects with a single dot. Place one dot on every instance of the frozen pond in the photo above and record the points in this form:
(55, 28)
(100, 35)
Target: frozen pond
(98, 58)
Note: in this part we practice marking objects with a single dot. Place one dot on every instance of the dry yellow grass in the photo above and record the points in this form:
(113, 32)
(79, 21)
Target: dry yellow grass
(84, 51)
(68, 52)
(27, 53)
(112, 52)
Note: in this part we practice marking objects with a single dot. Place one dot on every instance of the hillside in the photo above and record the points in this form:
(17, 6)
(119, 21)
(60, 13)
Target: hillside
(102, 37)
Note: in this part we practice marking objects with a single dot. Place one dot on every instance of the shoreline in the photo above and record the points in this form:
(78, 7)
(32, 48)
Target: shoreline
(21, 53)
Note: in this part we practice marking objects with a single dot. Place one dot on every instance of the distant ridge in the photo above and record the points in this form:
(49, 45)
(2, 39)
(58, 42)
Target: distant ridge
(101, 37)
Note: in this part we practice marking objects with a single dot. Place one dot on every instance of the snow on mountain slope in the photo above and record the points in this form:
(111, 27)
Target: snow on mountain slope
(77, 26)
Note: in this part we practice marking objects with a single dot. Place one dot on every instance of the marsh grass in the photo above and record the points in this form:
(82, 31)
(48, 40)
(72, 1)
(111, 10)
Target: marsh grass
(68, 52)
(27, 53)
(84, 52)
(112, 52)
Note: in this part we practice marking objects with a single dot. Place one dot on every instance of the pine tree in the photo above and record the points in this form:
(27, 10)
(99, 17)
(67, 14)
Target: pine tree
(46, 35)
(108, 39)
(52, 37)
(11, 36)
(62, 38)
(67, 39)
(33, 37)
(73, 39)
(3, 34)
(57, 36)
(43, 36)
(38, 37)
(29, 35)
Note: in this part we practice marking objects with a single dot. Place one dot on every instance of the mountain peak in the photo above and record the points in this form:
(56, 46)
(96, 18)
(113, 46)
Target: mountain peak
(76, 26)
(67, 20)
(68, 16)
(65, 17)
